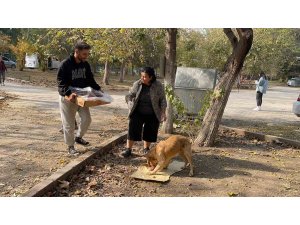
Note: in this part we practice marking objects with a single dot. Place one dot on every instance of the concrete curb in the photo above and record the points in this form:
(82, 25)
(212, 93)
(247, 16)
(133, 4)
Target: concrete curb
(263, 137)
(73, 167)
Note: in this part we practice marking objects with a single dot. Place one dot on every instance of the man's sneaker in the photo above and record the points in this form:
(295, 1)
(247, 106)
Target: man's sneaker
(80, 141)
(73, 151)
(126, 153)
(146, 150)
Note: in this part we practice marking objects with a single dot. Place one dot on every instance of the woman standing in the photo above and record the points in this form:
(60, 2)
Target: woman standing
(147, 108)
(261, 88)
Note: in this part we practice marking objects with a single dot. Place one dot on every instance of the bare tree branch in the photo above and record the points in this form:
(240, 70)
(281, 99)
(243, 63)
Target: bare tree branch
(245, 34)
(231, 37)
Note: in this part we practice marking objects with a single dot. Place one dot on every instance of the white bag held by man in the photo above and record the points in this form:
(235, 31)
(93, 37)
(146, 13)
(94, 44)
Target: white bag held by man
(87, 97)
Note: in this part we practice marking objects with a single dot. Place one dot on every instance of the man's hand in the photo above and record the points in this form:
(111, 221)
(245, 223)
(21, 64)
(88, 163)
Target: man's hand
(99, 93)
(71, 97)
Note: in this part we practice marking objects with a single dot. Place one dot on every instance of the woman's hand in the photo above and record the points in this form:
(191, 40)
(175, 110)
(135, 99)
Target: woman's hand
(163, 117)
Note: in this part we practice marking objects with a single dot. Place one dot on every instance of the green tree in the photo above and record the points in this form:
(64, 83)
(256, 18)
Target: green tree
(4, 42)
(205, 48)
(273, 51)
(20, 49)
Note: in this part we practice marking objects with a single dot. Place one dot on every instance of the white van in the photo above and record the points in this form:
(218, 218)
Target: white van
(31, 61)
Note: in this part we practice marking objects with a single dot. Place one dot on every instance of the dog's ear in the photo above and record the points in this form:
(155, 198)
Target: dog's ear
(147, 155)
(151, 152)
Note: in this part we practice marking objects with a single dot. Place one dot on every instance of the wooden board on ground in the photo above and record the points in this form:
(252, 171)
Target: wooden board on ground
(163, 176)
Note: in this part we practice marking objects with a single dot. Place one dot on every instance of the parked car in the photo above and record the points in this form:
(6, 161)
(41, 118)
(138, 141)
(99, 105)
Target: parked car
(296, 107)
(31, 61)
(294, 82)
(53, 63)
(9, 63)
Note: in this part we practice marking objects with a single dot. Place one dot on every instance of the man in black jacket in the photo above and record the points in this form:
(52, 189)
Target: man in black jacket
(75, 71)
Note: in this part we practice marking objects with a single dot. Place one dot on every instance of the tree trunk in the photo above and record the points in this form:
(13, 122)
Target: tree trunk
(162, 65)
(233, 66)
(170, 73)
(106, 73)
(21, 64)
(122, 72)
(132, 71)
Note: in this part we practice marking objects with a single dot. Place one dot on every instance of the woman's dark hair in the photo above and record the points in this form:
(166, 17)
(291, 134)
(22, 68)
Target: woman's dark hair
(80, 45)
(262, 74)
(150, 71)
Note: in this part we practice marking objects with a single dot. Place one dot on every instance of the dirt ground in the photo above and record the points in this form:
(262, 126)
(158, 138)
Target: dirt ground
(290, 130)
(235, 167)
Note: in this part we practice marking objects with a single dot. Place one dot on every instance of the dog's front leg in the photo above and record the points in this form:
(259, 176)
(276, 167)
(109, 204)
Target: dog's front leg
(158, 167)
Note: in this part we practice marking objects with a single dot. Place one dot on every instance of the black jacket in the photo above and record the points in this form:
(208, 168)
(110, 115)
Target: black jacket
(75, 74)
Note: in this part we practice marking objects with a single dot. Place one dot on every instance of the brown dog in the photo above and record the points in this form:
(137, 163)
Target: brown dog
(159, 157)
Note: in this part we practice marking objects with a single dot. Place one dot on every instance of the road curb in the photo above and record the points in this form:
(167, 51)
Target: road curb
(73, 167)
(263, 137)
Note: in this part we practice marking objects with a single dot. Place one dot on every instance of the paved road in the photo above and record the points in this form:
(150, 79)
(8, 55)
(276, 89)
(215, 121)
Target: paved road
(276, 107)
(47, 98)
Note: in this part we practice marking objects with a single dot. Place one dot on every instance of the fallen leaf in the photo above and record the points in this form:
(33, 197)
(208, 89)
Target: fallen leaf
(232, 194)
(93, 183)
(91, 168)
(78, 192)
(119, 194)
(52, 169)
(107, 167)
(64, 184)
(19, 168)
(62, 161)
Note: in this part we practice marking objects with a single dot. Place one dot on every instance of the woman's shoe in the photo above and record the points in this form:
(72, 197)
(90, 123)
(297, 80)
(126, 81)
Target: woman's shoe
(126, 153)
